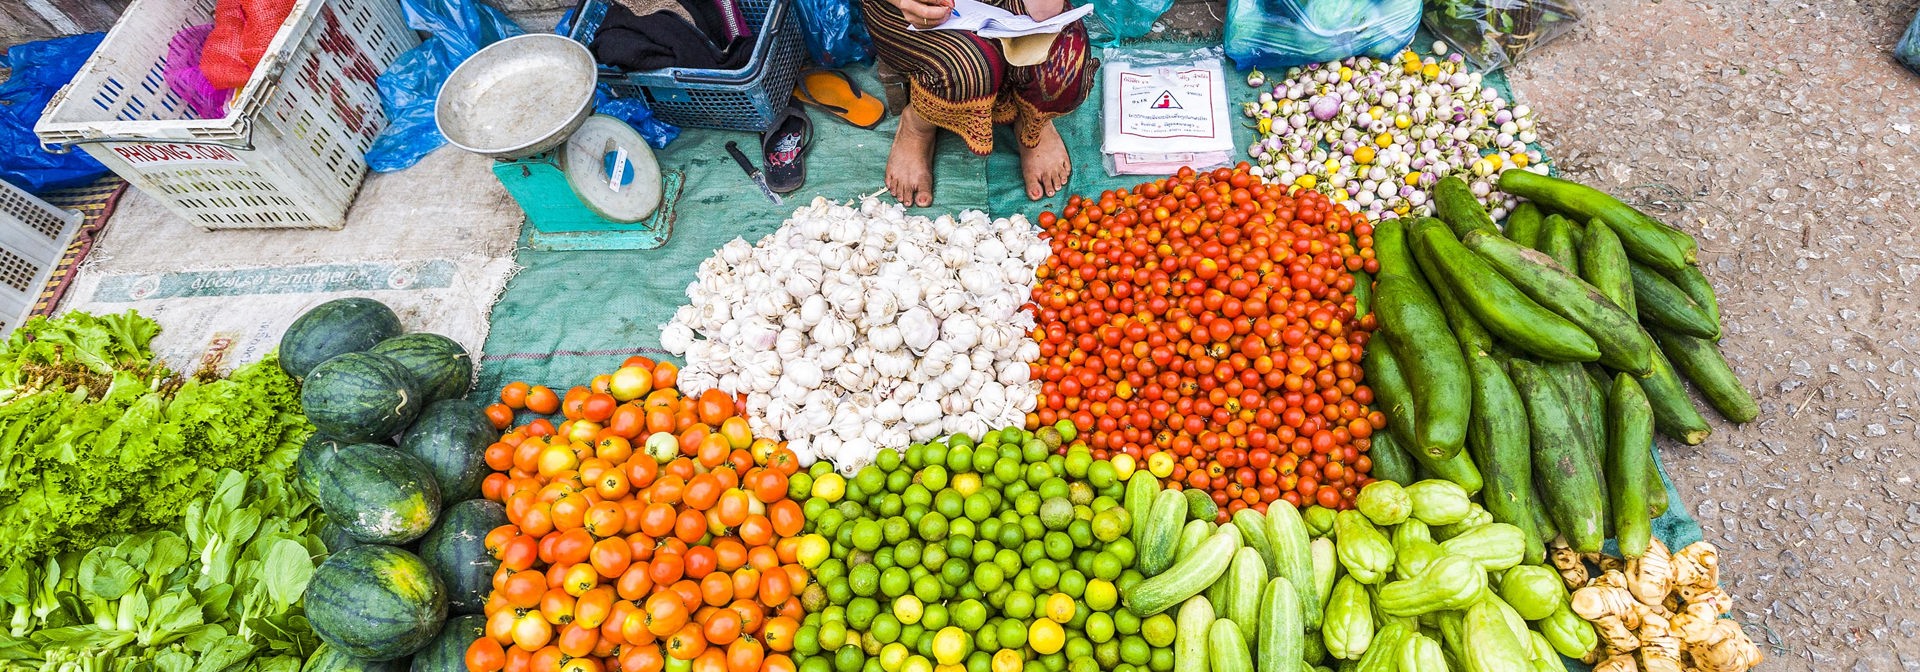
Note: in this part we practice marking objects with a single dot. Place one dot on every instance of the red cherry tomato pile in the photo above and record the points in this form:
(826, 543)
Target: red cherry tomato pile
(1204, 323)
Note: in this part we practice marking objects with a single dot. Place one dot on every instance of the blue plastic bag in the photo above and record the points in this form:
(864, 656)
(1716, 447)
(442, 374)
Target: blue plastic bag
(39, 70)
(836, 31)
(1128, 19)
(1908, 50)
(635, 112)
(1278, 33)
(456, 29)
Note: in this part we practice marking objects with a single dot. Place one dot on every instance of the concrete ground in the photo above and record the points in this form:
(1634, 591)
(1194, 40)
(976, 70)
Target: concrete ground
(1783, 136)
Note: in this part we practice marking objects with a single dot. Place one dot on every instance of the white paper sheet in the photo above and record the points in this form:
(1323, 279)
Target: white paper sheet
(993, 22)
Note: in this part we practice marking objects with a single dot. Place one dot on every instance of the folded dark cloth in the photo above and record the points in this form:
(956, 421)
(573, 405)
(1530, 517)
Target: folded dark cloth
(715, 39)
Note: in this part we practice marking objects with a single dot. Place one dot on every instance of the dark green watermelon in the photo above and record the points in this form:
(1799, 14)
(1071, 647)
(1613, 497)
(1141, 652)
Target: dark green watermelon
(452, 436)
(336, 538)
(361, 396)
(379, 494)
(448, 652)
(329, 659)
(440, 365)
(376, 602)
(332, 329)
(456, 549)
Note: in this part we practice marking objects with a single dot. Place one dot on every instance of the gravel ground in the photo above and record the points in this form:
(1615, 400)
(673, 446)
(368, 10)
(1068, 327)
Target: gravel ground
(1782, 135)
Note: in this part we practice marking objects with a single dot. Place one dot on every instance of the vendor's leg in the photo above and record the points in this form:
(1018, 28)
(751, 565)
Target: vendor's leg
(1041, 93)
(954, 79)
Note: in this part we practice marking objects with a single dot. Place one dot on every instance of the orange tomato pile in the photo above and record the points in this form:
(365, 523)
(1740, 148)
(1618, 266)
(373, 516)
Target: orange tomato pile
(1206, 324)
(682, 552)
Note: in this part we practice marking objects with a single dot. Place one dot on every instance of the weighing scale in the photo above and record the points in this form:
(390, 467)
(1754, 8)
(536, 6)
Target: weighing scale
(602, 190)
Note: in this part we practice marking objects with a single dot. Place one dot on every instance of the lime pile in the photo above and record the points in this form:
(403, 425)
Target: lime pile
(1000, 555)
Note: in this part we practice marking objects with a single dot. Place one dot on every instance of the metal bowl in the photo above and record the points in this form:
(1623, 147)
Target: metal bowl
(518, 97)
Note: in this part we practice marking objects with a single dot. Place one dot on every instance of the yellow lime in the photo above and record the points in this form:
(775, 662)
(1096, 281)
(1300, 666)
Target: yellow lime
(908, 609)
(951, 643)
(1007, 660)
(1060, 607)
(1122, 466)
(1045, 636)
(830, 487)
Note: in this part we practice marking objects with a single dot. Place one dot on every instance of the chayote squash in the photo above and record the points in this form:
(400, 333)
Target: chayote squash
(1383, 654)
(1419, 653)
(1348, 625)
(1319, 520)
(1411, 558)
(1384, 503)
(1451, 582)
(1489, 644)
(1362, 548)
(1495, 546)
(1476, 516)
(1438, 502)
(1569, 634)
(1533, 591)
(1545, 659)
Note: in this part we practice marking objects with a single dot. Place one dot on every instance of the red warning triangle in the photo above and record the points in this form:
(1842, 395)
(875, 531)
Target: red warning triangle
(1166, 102)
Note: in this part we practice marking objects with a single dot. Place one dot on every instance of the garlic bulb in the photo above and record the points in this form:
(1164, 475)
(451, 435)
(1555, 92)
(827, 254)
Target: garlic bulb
(856, 327)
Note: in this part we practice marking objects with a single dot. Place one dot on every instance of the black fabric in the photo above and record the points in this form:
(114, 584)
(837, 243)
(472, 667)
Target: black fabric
(664, 40)
(783, 149)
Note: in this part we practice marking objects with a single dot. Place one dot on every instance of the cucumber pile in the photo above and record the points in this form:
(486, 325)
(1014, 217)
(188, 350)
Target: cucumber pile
(1533, 366)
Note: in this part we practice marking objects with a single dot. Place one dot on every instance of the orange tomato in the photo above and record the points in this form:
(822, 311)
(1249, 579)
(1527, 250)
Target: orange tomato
(746, 583)
(668, 489)
(778, 663)
(797, 577)
(701, 561)
(665, 374)
(728, 476)
(682, 467)
(690, 526)
(611, 556)
(751, 615)
(722, 627)
(642, 361)
(576, 640)
(572, 405)
(756, 530)
(634, 583)
(657, 520)
(712, 451)
(570, 511)
(514, 395)
(494, 487)
(732, 507)
(593, 608)
(778, 635)
(499, 456)
(519, 553)
(715, 406)
(580, 665)
(702, 492)
(524, 589)
(784, 461)
(485, 655)
(558, 606)
(641, 659)
(688, 590)
(622, 620)
(641, 471)
(579, 579)
(641, 546)
(604, 519)
(738, 435)
(631, 508)
(762, 450)
(500, 416)
(531, 631)
(665, 569)
(786, 517)
(691, 435)
(541, 426)
(598, 407)
(556, 459)
(745, 655)
(775, 588)
(716, 589)
(665, 614)
(686, 643)
(541, 399)
(497, 538)
(526, 456)
(791, 609)
(547, 659)
(714, 659)
(763, 558)
(740, 459)
(519, 660)
(659, 420)
(500, 625)
(572, 547)
(729, 554)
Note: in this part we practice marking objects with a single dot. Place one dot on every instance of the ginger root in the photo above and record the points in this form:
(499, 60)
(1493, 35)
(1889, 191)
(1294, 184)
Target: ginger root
(1660, 612)
(1573, 571)
(1697, 565)
(1650, 576)
(1724, 648)
(1659, 649)
(1617, 663)
(1612, 610)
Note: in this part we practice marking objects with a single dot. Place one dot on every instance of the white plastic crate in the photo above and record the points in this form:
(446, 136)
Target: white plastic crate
(290, 153)
(33, 235)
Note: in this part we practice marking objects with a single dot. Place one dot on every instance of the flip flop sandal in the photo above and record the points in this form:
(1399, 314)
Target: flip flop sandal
(784, 149)
(836, 93)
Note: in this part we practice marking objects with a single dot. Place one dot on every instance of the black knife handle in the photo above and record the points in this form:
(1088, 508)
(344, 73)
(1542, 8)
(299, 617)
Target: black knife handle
(739, 157)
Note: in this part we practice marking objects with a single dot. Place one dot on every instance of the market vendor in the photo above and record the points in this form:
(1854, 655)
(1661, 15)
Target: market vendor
(964, 83)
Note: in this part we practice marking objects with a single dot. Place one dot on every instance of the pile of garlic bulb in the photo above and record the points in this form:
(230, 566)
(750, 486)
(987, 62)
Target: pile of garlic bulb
(851, 329)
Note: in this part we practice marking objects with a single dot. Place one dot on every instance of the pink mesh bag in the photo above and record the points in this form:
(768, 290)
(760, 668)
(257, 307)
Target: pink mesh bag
(184, 78)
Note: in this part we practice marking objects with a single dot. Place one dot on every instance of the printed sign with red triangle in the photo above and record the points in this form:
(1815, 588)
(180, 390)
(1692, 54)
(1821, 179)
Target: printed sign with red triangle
(1166, 102)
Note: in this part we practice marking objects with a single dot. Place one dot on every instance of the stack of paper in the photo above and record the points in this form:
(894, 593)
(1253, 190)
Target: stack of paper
(1164, 114)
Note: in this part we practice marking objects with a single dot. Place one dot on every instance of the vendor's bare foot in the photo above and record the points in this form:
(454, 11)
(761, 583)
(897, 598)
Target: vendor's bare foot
(910, 163)
(1046, 165)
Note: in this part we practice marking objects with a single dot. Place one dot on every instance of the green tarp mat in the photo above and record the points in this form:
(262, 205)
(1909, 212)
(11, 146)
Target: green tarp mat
(569, 315)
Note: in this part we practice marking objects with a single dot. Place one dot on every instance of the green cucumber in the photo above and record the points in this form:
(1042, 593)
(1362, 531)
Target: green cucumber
(1138, 500)
(1253, 533)
(1362, 294)
(1567, 474)
(1390, 463)
(1390, 250)
(1629, 454)
(1246, 578)
(1199, 505)
(1523, 224)
(1556, 240)
(1453, 201)
(1623, 346)
(1459, 469)
(1161, 541)
(1185, 578)
(1498, 440)
(1192, 536)
(1498, 306)
(1280, 639)
(1645, 238)
(1663, 305)
(1588, 408)
(1226, 648)
(1700, 361)
(1190, 635)
(1673, 413)
(1414, 327)
(1392, 396)
(1694, 284)
(1293, 559)
(1326, 568)
(1604, 264)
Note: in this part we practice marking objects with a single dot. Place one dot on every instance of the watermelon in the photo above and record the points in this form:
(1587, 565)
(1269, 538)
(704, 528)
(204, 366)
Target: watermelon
(440, 365)
(361, 396)
(379, 494)
(329, 659)
(376, 602)
(456, 549)
(317, 449)
(332, 329)
(336, 537)
(452, 436)
(448, 652)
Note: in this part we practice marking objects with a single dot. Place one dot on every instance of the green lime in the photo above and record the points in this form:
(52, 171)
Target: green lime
(933, 557)
(960, 461)
(949, 503)
(867, 535)
(1107, 653)
(914, 458)
(1073, 583)
(1037, 473)
(1100, 474)
(1099, 627)
(917, 495)
(820, 468)
(990, 528)
(894, 582)
(1078, 648)
(927, 588)
(1111, 524)
(1078, 462)
(1058, 545)
(887, 460)
(1019, 606)
(1007, 470)
(864, 579)
(1013, 633)
(907, 554)
(897, 481)
(1080, 531)
(988, 576)
(1008, 560)
(911, 634)
(1026, 503)
(1158, 629)
(969, 615)
(933, 527)
(963, 528)
(1128, 579)
(1046, 575)
(983, 551)
(885, 628)
(985, 458)
(937, 617)
(979, 507)
(1122, 550)
(1162, 660)
(955, 572)
(908, 609)
(1011, 536)
(798, 486)
(987, 638)
(934, 476)
(1058, 463)
(1054, 487)
(828, 520)
(871, 478)
(1135, 650)
(1032, 551)
(979, 661)
(1083, 663)
(1056, 513)
(960, 441)
(891, 505)
(833, 635)
(849, 659)
(1031, 527)
(1080, 493)
(934, 455)
(1100, 595)
(1125, 622)
(1034, 451)
(1023, 582)
(806, 640)
(895, 530)
(860, 612)
(838, 592)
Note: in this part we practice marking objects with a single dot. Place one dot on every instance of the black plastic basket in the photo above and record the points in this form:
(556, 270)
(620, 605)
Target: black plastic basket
(750, 98)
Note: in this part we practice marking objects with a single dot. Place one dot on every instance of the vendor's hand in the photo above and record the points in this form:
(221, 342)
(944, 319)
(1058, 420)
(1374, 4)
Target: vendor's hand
(925, 14)
(1042, 10)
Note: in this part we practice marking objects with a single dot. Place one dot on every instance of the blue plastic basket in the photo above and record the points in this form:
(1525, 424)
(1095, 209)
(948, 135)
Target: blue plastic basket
(744, 99)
